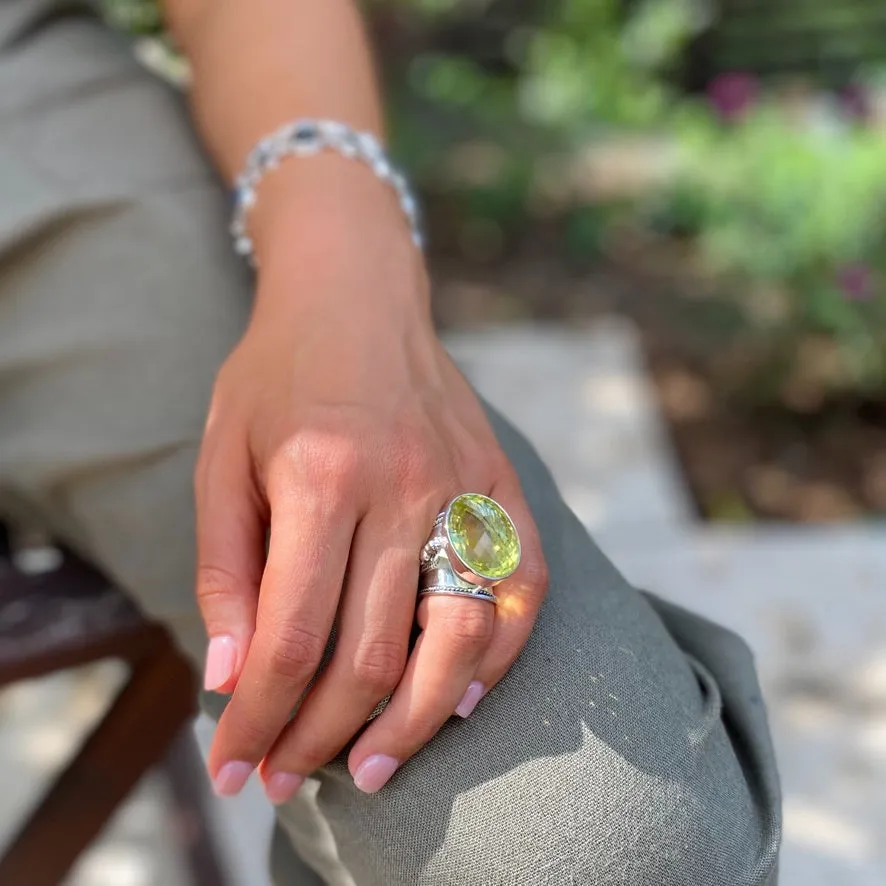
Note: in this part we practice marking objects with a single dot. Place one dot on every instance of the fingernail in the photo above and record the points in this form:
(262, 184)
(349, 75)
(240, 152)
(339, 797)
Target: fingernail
(221, 659)
(231, 778)
(374, 773)
(281, 786)
(470, 699)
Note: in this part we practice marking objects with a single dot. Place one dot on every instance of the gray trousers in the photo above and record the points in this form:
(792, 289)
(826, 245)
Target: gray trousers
(628, 746)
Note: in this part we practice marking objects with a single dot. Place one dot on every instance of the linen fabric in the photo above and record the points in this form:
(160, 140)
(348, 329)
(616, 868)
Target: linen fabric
(628, 746)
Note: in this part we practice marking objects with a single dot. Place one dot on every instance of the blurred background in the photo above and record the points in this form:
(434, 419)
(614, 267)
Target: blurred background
(712, 169)
(658, 240)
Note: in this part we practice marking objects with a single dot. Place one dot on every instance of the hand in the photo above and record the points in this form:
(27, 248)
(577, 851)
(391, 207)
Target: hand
(340, 423)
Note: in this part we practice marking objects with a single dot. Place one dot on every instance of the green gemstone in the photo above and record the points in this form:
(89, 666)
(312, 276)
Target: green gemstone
(483, 536)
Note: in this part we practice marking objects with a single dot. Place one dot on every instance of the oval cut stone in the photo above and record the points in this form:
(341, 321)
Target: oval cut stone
(483, 536)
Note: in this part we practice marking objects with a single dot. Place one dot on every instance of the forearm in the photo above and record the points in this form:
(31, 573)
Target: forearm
(260, 63)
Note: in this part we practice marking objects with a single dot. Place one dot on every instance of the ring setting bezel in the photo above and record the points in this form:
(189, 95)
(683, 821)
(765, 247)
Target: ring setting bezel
(440, 554)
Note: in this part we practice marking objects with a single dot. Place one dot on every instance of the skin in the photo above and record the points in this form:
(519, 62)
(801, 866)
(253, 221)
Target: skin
(339, 428)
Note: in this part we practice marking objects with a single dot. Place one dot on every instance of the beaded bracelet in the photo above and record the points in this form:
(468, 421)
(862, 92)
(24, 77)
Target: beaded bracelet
(301, 139)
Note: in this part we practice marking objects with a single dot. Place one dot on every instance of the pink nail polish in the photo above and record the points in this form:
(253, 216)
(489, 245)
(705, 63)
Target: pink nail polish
(374, 773)
(231, 778)
(221, 659)
(470, 699)
(282, 787)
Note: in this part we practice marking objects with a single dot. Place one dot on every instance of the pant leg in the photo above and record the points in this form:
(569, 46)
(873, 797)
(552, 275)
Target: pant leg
(118, 300)
(627, 746)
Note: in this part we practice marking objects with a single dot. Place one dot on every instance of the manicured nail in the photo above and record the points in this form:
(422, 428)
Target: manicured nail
(231, 778)
(221, 659)
(281, 787)
(470, 699)
(374, 773)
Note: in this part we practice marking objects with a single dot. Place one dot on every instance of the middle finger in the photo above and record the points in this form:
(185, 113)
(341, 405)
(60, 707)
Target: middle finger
(299, 595)
(372, 645)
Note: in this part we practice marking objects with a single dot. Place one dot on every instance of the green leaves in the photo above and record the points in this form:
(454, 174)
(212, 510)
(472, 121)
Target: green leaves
(134, 16)
(799, 208)
(780, 204)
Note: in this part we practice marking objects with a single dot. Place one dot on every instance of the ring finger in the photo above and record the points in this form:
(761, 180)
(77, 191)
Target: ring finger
(445, 658)
(466, 645)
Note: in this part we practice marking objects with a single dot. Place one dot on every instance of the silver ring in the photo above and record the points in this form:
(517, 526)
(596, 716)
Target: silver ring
(472, 547)
(444, 591)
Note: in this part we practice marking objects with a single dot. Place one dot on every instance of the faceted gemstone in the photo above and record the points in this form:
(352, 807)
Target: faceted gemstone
(262, 154)
(348, 144)
(483, 536)
(305, 132)
(304, 139)
(381, 168)
(370, 149)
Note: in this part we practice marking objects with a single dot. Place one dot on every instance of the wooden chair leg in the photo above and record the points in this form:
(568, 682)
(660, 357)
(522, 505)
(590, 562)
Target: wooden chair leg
(146, 716)
(185, 772)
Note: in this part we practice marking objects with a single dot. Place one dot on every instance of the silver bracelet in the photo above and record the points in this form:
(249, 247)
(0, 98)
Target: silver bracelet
(301, 139)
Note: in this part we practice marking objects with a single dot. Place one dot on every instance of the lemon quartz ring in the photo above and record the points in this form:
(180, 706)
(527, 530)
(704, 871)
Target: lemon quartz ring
(473, 546)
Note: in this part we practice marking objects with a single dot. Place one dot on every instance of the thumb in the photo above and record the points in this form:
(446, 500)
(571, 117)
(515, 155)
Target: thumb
(230, 561)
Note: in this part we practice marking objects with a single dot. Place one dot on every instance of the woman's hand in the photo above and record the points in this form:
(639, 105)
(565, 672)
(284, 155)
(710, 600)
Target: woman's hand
(340, 423)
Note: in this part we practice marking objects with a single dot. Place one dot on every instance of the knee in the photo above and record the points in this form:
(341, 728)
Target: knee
(624, 770)
(647, 784)
(594, 817)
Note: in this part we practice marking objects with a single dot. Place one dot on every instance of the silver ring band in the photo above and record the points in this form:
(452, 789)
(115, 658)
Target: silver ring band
(444, 591)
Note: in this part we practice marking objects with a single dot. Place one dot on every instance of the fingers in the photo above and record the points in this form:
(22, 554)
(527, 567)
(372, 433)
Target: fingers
(439, 671)
(230, 558)
(466, 647)
(372, 645)
(310, 538)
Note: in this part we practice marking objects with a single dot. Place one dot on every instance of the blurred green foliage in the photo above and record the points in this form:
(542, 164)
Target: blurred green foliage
(492, 101)
(534, 77)
(792, 220)
(786, 217)
(134, 16)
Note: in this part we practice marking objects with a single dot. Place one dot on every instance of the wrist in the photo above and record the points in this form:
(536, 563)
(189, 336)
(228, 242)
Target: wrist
(318, 217)
(326, 194)
(309, 138)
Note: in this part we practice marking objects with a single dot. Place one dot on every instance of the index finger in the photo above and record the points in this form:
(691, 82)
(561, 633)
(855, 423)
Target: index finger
(297, 603)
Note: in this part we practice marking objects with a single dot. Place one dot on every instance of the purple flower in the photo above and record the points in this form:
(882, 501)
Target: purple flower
(732, 94)
(856, 281)
(855, 101)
